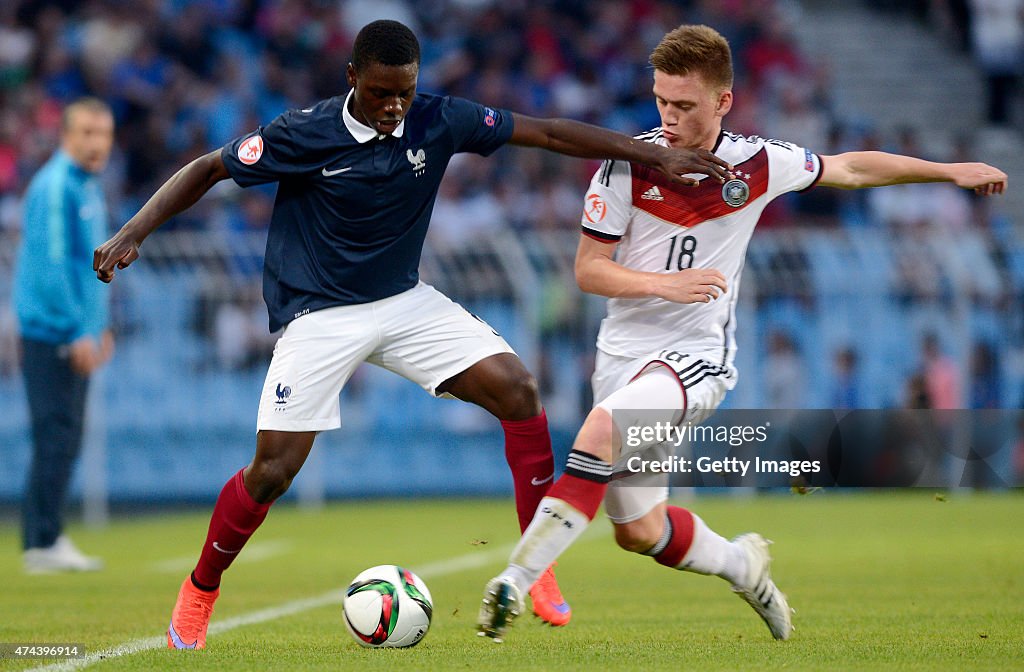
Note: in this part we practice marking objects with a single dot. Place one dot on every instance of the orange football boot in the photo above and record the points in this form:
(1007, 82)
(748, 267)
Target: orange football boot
(191, 617)
(548, 603)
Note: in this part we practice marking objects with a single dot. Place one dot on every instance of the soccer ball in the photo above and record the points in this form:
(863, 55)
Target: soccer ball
(387, 606)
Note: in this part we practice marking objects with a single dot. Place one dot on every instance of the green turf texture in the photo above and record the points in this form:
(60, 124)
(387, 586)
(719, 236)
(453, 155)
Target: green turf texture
(908, 581)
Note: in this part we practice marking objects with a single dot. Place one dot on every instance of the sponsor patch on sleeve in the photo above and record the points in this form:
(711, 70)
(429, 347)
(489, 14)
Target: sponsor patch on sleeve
(490, 116)
(251, 149)
(808, 161)
(596, 209)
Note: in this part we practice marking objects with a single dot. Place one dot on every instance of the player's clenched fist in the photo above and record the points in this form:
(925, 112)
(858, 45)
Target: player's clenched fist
(693, 285)
(119, 251)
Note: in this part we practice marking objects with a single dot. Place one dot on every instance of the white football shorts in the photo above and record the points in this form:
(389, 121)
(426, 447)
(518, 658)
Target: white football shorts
(667, 380)
(420, 334)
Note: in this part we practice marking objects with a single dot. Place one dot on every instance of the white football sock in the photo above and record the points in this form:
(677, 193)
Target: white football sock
(711, 553)
(555, 526)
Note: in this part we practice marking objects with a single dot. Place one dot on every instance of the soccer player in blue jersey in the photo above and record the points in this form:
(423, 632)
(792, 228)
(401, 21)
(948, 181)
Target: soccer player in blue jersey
(357, 178)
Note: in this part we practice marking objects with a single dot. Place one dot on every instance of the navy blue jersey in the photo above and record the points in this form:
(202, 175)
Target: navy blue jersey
(352, 205)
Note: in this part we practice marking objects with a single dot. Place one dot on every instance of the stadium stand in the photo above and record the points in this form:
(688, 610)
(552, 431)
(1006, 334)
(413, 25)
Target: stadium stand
(828, 272)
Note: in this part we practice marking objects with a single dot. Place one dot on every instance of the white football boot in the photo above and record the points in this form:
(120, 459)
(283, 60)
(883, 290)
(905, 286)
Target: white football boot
(761, 593)
(502, 603)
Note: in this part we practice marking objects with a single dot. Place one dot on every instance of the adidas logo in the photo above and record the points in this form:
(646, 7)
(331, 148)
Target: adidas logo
(652, 194)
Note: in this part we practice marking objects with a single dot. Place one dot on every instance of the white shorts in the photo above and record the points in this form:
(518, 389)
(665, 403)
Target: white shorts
(683, 383)
(420, 334)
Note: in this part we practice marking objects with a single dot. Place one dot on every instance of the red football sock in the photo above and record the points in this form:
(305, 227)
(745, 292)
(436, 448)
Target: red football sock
(235, 517)
(528, 451)
(564, 514)
(681, 521)
(584, 483)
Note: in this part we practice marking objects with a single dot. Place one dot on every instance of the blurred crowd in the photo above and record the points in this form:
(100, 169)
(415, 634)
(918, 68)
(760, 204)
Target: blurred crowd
(186, 76)
(992, 31)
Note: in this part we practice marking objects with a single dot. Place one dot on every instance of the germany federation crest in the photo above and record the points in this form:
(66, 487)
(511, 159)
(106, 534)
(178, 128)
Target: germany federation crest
(735, 193)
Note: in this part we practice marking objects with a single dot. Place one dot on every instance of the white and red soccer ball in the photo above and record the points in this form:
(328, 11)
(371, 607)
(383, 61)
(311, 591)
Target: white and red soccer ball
(387, 606)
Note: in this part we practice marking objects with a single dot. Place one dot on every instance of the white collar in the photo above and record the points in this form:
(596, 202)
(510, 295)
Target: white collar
(360, 131)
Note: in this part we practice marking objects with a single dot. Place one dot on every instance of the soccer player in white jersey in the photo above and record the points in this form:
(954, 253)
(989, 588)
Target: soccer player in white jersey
(670, 259)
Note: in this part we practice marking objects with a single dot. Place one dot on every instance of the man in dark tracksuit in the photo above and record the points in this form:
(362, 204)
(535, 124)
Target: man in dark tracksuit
(62, 315)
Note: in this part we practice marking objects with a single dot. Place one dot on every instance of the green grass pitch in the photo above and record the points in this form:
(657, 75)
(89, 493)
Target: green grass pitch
(908, 581)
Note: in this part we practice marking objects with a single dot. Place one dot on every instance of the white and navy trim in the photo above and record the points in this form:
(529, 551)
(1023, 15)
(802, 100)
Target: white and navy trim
(650, 136)
(699, 370)
(817, 178)
(360, 131)
(588, 467)
(689, 375)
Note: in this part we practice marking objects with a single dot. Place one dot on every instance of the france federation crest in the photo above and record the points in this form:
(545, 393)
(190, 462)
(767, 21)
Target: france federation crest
(735, 193)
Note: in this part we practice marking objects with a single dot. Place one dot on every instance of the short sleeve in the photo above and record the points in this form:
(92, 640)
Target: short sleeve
(608, 203)
(273, 152)
(476, 128)
(791, 167)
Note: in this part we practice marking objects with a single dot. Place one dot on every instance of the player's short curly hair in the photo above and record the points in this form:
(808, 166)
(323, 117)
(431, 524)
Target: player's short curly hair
(695, 48)
(385, 42)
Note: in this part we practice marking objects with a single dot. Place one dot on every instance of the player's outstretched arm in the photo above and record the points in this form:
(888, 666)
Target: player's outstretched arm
(586, 141)
(178, 193)
(857, 170)
(598, 273)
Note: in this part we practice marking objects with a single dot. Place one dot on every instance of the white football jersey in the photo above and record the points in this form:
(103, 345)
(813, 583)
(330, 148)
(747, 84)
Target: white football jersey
(664, 227)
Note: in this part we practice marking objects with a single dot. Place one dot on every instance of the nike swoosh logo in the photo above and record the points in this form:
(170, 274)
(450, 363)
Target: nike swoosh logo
(331, 173)
(179, 643)
(218, 547)
(535, 481)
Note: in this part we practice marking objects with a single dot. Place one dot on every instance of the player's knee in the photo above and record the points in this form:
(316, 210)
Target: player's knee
(520, 396)
(268, 479)
(637, 536)
(595, 437)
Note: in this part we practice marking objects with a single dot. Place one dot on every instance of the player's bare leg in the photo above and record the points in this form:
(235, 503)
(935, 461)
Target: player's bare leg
(240, 510)
(501, 385)
(279, 457)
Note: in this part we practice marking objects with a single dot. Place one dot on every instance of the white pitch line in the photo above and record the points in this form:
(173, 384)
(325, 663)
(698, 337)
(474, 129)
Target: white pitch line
(453, 565)
(430, 570)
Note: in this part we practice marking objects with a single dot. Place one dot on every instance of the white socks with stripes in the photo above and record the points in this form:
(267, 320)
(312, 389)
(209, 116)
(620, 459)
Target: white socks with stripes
(711, 553)
(561, 517)
(591, 469)
(554, 528)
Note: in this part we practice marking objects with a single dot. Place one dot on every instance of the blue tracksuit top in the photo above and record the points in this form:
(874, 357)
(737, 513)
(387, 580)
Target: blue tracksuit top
(57, 298)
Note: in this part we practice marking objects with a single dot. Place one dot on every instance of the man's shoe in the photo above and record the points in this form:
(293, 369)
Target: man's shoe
(502, 603)
(548, 603)
(191, 617)
(63, 556)
(761, 593)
